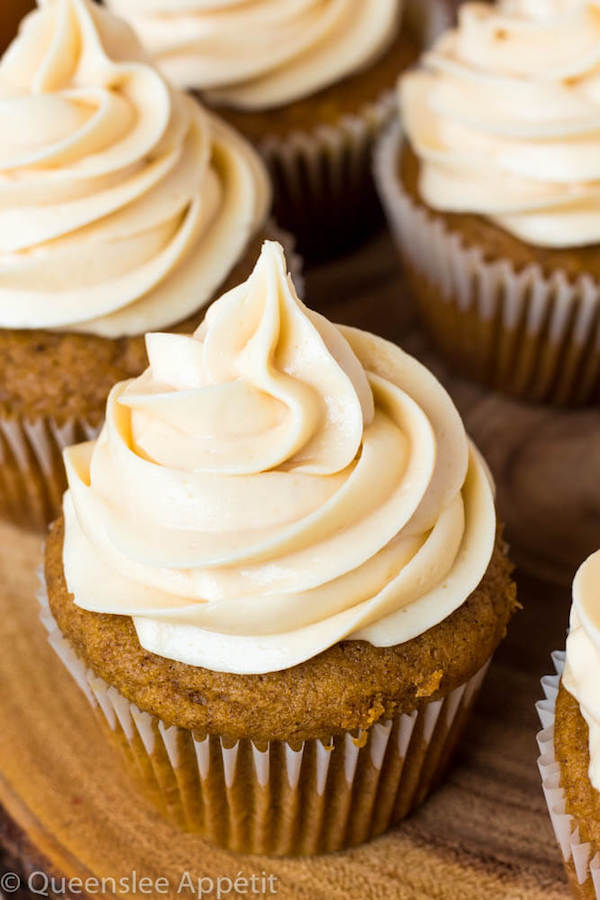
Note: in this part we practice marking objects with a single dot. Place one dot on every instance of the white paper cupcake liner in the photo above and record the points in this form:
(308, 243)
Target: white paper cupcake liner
(280, 798)
(32, 477)
(575, 853)
(531, 335)
(322, 179)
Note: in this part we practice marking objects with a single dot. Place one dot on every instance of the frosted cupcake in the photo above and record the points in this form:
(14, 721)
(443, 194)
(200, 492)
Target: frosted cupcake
(570, 742)
(124, 207)
(309, 82)
(495, 195)
(278, 575)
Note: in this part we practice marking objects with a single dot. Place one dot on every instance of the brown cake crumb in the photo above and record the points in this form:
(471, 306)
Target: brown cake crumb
(346, 688)
(571, 746)
(67, 376)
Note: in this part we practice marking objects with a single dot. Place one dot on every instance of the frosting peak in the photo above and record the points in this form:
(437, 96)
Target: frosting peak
(504, 118)
(256, 54)
(274, 484)
(265, 381)
(123, 205)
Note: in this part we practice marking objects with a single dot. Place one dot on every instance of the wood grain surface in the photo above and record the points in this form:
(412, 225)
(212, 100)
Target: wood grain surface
(70, 808)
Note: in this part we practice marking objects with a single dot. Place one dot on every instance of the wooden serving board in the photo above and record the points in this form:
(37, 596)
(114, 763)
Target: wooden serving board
(69, 808)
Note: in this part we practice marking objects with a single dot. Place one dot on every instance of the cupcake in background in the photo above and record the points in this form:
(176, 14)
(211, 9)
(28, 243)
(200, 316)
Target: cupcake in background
(310, 83)
(570, 742)
(278, 575)
(124, 207)
(494, 195)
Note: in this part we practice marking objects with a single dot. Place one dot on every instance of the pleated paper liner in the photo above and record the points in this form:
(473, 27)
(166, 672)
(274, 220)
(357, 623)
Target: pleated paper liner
(32, 474)
(581, 863)
(322, 179)
(32, 477)
(280, 798)
(532, 336)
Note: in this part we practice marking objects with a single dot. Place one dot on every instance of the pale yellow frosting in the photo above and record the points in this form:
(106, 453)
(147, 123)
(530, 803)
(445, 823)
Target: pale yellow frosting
(274, 484)
(257, 54)
(581, 676)
(123, 204)
(504, 115)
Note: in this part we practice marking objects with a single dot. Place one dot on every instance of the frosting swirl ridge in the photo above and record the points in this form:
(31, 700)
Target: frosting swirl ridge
(504, 116)
(257, 54)
(123, 204)
(274, 484)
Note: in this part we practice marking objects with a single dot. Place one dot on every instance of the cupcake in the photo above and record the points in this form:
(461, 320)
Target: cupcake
(570, 742)
(124, 207)
(278, 575)
(494, 196)
(310, 83)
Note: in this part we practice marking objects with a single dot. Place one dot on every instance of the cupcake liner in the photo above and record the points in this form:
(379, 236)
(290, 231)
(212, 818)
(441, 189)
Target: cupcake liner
(531, 335)
(280, 798)
(322, 179)
(322, 184)
(32, 476)
(581, 863)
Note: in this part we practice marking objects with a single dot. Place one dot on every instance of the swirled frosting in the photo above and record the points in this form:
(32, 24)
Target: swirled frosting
(504, 116)
(274, 484)
(123, 204)
(257, 54)
(581, 676)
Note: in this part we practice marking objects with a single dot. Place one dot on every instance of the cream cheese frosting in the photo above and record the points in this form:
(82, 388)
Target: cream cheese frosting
(581, 676)
(274, 484)
(257, 54)
(123, 204)
(504, 116)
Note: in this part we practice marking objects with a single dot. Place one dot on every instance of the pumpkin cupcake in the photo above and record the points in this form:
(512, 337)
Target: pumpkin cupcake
(124, 207)
(310, 83)
(569, 744)
(494, 196)
(278, 575)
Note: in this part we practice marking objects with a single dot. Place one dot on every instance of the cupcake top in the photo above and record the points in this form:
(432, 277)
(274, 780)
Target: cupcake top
(504, 117)
(581, 676)
(274, 484)
(257, 54)
(123, 204)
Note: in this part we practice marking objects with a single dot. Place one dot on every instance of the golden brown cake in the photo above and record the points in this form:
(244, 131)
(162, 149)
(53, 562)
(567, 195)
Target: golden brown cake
(127, 207)
(348, 687)
(495, 211)
(280, 567)
(570, 764)
(581, 798)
